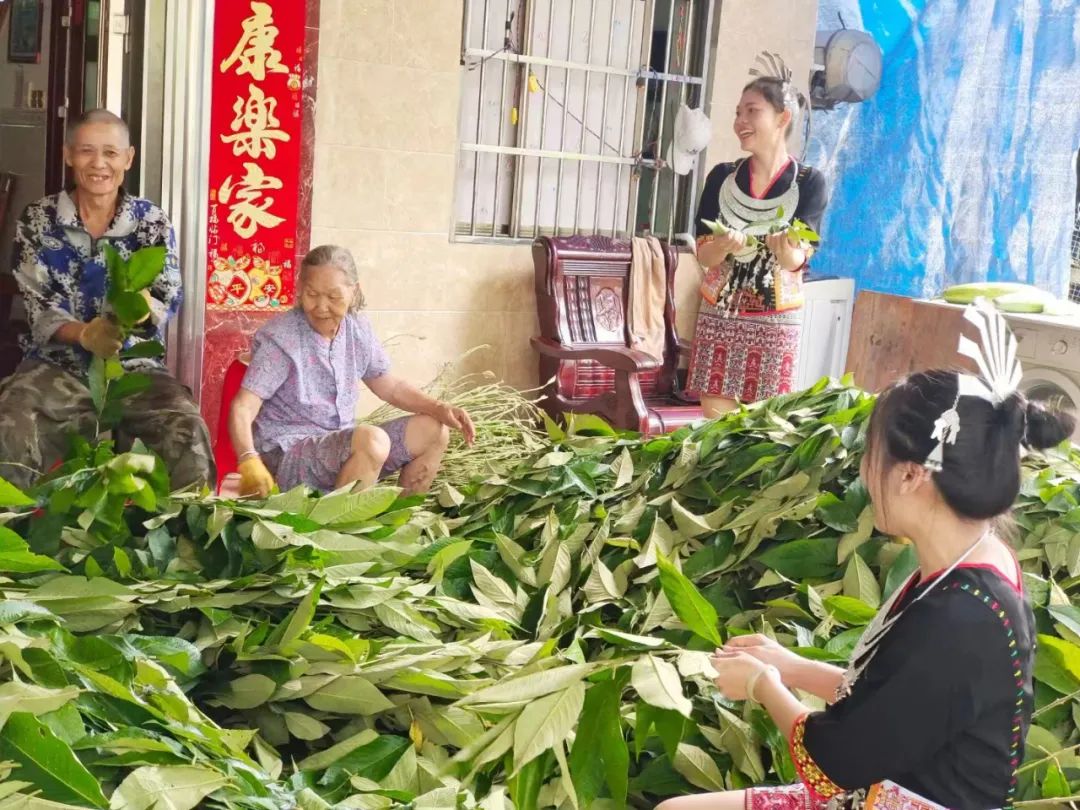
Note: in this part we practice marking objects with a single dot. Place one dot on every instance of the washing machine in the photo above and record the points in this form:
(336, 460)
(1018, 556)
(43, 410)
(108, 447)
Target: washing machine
(1049, 350)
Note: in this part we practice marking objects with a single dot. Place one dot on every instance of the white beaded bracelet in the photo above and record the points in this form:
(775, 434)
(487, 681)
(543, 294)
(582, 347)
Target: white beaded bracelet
(753, 679)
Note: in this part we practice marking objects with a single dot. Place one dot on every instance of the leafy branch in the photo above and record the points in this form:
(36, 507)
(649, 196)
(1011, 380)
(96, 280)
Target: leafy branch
(128, 307)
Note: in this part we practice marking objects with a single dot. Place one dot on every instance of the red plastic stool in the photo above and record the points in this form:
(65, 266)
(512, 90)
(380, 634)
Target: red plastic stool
(224, 454)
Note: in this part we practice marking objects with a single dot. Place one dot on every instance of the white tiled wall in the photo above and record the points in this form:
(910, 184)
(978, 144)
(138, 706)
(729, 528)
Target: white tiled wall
(386, 135)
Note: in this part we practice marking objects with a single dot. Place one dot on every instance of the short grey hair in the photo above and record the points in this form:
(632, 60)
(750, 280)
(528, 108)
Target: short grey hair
(342, 259)
(98, 116)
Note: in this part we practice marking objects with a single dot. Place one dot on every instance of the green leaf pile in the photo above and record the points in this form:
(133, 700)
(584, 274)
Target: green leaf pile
(537, 639)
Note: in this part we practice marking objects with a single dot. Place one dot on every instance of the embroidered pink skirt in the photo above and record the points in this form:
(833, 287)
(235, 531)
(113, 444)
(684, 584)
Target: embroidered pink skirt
(790, 797)
(744, 357)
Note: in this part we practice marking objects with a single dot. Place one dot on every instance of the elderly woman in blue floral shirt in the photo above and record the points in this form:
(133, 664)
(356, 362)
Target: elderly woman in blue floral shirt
(59, 265)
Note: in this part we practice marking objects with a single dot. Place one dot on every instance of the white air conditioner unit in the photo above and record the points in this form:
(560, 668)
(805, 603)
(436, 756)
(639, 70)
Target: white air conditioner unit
(847, 68)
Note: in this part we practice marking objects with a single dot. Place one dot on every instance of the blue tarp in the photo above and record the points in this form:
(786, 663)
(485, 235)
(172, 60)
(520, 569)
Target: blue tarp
(962, 167)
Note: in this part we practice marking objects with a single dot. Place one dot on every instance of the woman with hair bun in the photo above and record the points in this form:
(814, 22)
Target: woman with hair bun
(936, 702)
(746, 343)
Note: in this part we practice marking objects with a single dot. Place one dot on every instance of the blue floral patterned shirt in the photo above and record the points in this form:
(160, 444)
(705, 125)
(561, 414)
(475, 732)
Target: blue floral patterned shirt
(60, 270)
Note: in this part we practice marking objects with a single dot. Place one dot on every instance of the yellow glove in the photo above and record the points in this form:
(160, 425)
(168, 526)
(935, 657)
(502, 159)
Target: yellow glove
(255, 479)
(101, 337)
(149, 303)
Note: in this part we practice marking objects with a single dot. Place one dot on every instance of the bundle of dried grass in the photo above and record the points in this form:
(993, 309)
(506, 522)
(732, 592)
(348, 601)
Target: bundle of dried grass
(508, 422)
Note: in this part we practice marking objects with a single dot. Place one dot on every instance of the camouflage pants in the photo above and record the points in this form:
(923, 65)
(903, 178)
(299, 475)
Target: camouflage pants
(42, 405)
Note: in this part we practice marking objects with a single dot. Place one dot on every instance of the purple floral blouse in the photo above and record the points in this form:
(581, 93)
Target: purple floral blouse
(308, 383)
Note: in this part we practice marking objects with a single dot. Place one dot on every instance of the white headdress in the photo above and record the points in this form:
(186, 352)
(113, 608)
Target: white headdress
(999, 374)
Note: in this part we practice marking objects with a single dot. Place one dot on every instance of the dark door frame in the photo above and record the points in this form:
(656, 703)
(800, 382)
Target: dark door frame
(67, 69)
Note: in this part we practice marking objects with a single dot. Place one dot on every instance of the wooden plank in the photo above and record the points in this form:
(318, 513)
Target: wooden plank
(893, 336)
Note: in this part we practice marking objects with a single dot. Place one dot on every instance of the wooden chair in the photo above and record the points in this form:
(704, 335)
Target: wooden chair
(586, 363)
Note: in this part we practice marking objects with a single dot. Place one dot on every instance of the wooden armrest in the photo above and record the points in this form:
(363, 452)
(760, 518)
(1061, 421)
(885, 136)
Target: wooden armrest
(684, 346)
(617, 357)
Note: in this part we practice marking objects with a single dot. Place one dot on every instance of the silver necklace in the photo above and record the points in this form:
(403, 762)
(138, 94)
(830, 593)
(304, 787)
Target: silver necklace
(740, 210)
(883, 622)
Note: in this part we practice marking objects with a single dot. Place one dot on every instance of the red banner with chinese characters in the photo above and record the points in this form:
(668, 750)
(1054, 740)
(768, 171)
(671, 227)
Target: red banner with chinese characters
(255, 145)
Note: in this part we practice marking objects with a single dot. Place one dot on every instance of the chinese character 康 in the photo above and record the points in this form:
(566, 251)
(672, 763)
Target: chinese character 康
(255, 53)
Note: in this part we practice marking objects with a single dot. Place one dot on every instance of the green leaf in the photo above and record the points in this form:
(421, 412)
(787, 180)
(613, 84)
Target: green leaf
(16, 557)
(669, 726)
(850, 611)
(13, 611)
(166, 787)
(525, 787)
(324, 759)
(688, 524)
(546, 722)
(48, 762)
(836, 514)
(95, 377)
(600, 752)
(657, 683)
(304, 727)
(372, 761)
(11, 497)
(144, 266)
(248, 691)
(180, 655)
(905, 564)
(349, 694)
(144, 348)
(299, 620)
(1068, 615)
(623, 467)
(1057, 664)
(860, 582)
(587, 424)
(698, 768)
(31, 698)
(117, 269)
(529, 687)
(1055, 785)
(346, 507)
(128, 385)
(803, 559)
(130, 308)
(863, 531)
(689, 605)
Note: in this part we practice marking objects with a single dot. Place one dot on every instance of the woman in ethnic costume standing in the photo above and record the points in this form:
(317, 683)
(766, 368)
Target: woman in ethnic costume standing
(746, 344)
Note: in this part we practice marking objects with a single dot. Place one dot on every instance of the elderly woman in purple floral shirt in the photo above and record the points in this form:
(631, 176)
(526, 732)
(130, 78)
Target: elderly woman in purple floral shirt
(295, 415)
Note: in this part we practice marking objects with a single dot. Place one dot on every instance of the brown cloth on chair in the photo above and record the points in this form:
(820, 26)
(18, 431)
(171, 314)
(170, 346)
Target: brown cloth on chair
(648, 289)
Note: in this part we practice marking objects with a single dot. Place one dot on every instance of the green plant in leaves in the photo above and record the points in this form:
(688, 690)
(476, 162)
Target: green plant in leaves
(108, 382)
(539, 637)
(797, 230)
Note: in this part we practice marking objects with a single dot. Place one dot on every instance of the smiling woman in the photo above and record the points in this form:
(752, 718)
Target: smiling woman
(750, 321)
(294, 418)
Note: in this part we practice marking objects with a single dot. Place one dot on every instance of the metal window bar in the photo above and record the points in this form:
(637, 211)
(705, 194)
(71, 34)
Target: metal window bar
(513, 157)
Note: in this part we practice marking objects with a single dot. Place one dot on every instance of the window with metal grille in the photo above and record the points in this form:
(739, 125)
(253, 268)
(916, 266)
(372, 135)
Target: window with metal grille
(567, 114)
